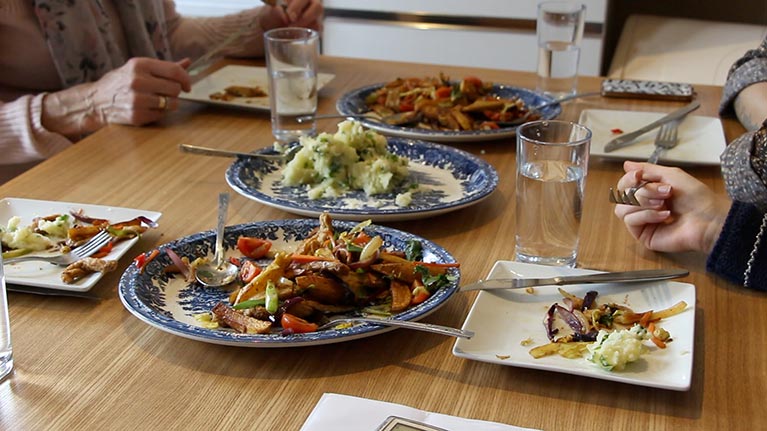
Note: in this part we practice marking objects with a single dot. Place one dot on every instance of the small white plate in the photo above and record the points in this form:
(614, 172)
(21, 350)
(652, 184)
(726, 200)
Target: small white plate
(248, 76)
(502, 319)
(701, 139)
(43, 274)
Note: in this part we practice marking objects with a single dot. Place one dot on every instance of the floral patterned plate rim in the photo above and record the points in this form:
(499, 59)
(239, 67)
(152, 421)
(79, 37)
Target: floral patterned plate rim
(170, 304)
(353, 103)
(449, 179)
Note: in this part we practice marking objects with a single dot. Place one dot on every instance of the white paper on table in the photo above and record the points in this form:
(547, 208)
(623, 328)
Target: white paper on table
(346, 413)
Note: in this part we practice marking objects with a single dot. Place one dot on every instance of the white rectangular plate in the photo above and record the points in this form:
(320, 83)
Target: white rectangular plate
(43, 274)
(701, 139)
(503, 319)
(248, 76)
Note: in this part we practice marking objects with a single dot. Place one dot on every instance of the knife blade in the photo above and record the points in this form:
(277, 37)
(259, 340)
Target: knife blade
(203, 60)
(628, 138)
(605, 277)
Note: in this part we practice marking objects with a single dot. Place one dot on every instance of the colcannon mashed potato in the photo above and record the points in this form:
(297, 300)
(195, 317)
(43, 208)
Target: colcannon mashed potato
(40, 236)
(353, 158)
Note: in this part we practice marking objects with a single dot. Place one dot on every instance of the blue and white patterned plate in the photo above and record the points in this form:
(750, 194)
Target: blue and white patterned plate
(449, 179)
(353, 103)
(170, 304)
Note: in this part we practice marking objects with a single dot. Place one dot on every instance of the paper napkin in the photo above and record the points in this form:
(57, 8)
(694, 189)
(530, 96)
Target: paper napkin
(346, 413)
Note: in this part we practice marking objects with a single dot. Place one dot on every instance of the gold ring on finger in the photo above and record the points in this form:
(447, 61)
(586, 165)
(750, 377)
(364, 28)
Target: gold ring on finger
(163, 103)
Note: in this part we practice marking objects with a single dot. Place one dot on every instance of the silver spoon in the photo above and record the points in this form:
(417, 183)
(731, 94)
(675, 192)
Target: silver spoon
(218, 273)
(522, 119)
(193, 149)
(420, 326)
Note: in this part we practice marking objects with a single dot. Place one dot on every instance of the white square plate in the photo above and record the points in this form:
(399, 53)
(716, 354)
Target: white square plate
(701, 139)
(502, 319)
(248, 76)
(43, 274)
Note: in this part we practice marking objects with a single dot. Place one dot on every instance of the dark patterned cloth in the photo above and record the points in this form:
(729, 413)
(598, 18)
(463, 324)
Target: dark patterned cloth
(744, 168)
(749, 69)
(81, 41)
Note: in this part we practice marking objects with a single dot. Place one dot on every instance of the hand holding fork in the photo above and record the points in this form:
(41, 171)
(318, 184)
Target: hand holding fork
(666, 139)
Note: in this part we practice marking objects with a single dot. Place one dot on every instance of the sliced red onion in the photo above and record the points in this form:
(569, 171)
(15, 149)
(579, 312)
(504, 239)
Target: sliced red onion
(588, 300)
(183, 267)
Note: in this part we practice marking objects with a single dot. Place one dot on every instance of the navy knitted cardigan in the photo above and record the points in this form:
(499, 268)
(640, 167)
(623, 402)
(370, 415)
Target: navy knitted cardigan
(733, 248)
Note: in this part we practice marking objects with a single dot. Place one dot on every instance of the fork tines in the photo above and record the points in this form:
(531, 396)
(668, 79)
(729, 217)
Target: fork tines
(93, 245)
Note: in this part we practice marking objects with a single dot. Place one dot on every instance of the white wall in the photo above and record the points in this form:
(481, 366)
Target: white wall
(424, 43)
(508, 48)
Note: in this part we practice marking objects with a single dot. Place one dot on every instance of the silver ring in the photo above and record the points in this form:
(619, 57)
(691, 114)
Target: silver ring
(163, 103)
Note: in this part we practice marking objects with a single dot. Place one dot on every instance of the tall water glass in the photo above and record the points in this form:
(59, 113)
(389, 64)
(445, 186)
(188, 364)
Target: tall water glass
(291, 62)
(552, 162)
(560, 32)
(6, 351)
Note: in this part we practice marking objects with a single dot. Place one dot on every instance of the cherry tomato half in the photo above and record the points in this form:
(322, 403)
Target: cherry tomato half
(255, 248)
(296, 324)
(249, 271)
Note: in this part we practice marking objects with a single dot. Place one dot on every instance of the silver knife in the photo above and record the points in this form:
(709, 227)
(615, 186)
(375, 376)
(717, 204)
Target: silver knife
(205, 58)
(605, 277)
(628, 138)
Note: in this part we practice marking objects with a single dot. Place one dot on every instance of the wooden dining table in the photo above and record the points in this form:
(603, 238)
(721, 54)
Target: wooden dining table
(88, 363)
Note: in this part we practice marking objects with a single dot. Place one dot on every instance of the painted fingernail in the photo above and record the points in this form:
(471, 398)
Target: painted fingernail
(664, 189)
(655, 202)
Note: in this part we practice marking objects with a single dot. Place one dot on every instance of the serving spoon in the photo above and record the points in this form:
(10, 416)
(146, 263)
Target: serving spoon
(219, 273)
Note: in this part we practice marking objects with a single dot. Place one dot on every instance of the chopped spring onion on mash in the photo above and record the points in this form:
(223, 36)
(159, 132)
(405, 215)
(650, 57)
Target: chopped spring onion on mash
(353, 158)
(614, 350)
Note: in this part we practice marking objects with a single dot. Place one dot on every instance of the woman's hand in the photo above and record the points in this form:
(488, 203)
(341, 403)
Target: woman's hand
(298, 13)
(678, 212)
(140, 92)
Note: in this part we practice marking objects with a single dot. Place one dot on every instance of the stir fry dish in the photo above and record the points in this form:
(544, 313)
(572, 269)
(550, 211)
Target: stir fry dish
(63, 232)
(329, 273)
(610, 335)
(440, 104)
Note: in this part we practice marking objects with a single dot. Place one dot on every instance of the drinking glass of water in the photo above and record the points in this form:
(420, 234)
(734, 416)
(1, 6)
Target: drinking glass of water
(6, 352)
(291, 62)
(560, 32)
(552, 162)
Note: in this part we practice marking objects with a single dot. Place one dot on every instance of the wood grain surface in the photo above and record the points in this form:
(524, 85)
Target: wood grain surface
(83, 364)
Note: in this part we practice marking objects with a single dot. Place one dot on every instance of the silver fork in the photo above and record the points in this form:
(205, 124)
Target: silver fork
(666, 139)
(626, 197)
(91, 246)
